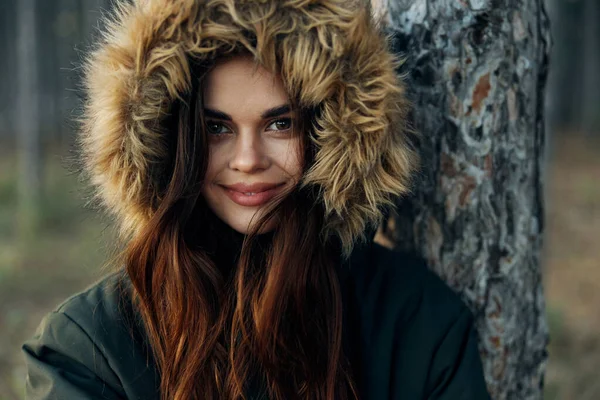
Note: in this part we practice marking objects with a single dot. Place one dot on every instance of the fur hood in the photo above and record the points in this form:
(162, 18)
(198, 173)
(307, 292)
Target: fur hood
(331, 54)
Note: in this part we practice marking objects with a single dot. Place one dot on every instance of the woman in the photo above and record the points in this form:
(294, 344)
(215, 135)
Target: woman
(247, 150)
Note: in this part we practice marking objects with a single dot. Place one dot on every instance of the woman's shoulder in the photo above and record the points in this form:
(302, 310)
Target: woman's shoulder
(103, 310)
(99, 299)
(416, 337)
(401, 280)
(91, 344)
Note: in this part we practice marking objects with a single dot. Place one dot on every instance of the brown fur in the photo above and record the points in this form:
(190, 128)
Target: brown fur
(331, 54)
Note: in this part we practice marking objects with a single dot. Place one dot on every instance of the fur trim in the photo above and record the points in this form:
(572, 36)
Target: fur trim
(333, 55)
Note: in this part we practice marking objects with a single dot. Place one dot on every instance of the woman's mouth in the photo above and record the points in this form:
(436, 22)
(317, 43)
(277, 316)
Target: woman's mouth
(252, 195)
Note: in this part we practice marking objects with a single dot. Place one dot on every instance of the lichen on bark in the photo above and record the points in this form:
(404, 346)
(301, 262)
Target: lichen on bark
(476, 73)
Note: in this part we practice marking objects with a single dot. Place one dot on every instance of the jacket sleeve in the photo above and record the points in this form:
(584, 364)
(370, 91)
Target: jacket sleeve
(456, 371)
(64, 363)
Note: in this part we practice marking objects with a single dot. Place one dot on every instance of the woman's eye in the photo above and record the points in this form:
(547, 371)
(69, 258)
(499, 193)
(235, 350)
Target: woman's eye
(281, 124)
(215, 128)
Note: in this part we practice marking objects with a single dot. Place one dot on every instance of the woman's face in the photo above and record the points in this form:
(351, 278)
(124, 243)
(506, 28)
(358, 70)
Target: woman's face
(254, 154)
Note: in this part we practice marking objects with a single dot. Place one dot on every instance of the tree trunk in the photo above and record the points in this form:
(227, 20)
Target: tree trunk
(89, 12)
(565, 82)
(69, 38)
(28, 135)
(476, 71)
(48, 88)
(590, 120)
(7, 68)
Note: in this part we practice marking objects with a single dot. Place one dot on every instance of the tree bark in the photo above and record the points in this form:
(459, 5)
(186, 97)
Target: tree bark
(476, 71)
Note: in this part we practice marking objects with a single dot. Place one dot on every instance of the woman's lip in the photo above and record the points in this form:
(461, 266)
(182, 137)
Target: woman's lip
(252, 187)
(254, 200)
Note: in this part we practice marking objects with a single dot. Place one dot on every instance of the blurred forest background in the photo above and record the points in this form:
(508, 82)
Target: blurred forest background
(51, 245)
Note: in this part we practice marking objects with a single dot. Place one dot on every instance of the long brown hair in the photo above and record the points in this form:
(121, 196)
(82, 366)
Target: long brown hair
(277, 320)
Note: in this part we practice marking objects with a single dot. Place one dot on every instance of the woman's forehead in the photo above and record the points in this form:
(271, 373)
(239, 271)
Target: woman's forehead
(237, 87)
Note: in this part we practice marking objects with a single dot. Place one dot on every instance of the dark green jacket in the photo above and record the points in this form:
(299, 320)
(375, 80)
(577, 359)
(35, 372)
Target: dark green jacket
(407, 334)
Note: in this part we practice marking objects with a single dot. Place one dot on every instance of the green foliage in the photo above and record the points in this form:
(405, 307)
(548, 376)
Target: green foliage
(8, 196)
(559, 337)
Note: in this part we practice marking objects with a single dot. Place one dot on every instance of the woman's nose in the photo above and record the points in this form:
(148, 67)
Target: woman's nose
(249, 155)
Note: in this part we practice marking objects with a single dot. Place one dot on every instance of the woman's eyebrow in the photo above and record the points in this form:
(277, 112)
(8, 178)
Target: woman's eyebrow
(270, 113)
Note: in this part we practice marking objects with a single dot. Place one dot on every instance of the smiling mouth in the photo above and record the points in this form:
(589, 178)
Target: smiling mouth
(252, 199)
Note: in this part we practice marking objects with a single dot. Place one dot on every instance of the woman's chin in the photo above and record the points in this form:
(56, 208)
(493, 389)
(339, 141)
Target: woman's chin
(246, 226)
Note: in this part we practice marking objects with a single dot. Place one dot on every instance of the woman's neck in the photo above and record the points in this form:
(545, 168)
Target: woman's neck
(225, 244)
